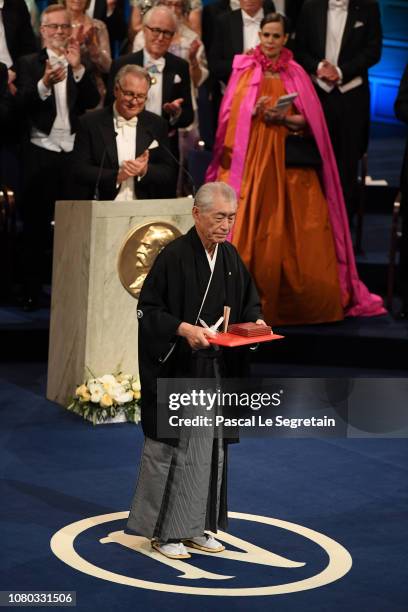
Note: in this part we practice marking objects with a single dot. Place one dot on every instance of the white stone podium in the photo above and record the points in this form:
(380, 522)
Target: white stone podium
(93, 318)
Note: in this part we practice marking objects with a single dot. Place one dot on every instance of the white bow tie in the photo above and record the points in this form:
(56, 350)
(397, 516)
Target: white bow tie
(54, 58)
(121, 121)
(251, 20)
(155, 65)
(340, 5)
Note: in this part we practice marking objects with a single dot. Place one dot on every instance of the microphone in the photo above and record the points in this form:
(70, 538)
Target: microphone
(183, 169)
(98, 180)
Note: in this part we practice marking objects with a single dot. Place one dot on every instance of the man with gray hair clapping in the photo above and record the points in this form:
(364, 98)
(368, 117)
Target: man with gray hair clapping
(170, 91)
(121, 151)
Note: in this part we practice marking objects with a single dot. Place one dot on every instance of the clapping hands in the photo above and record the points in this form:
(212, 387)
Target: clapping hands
(134, 167)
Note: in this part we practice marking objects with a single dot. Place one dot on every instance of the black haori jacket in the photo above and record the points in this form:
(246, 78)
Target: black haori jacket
(172, 293)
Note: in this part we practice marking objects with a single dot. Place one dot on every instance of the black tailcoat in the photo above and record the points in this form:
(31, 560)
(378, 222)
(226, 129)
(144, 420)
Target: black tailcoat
(95, 148)
(173, 87)
(347, 114)
(19, 33)
(228, 41)
(401, 111)
(81, 95)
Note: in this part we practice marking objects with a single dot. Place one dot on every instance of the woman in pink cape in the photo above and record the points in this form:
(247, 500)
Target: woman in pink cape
(291, 228)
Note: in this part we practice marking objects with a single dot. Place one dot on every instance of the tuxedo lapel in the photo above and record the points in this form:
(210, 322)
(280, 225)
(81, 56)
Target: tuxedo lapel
(237, 32)
(144, 135)
(169, 74)
(99, 10)
(107, 131)
(71, 89)
(41, 60)
(352, 14)
(320, 27)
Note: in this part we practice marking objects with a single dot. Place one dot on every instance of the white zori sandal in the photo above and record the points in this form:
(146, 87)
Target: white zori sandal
(206, 542)
(172, 550)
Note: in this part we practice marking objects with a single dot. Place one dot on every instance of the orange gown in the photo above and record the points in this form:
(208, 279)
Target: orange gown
(282, 230)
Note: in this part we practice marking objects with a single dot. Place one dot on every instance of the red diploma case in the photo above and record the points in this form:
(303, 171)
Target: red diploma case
(230, 339)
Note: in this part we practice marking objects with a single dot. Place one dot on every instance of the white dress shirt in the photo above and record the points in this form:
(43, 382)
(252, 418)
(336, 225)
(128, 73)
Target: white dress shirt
(154, 102)
(60, 138)
(126, 146)
(5, 56)
(91, 8)
(251, 29)
(336, 22)
(280, 6)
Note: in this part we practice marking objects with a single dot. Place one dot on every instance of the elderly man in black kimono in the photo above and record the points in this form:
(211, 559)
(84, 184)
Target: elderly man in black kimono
(181, 489)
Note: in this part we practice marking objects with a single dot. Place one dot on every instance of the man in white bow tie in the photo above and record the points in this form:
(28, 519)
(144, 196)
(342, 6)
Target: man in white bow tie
(336, 42)
(121, 151)
(53, 90)
(236, 32)
(170, 91)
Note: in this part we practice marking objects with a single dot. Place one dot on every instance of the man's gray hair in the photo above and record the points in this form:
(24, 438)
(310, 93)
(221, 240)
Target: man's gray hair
(53, 8)
(160, 9)
(205, 196)
(134, 69)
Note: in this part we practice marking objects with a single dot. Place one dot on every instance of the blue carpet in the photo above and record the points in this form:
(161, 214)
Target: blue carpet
(56, 470)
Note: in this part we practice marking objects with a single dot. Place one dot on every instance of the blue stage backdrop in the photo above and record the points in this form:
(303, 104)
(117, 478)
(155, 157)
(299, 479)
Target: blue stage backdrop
(385, 76)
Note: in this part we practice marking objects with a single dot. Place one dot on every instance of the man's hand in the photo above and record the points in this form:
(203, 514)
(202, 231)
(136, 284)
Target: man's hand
(196, 336)
(134, 167)
(79, 34)
(53, 74)
(10, 83)
(193, 50)
(73, 54)
(260, 322)
(328, 72)
(173, 108)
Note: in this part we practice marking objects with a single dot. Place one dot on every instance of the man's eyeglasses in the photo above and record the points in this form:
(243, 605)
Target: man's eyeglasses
(54, 26)
(167, 34)
(175, 3)
(129, 95)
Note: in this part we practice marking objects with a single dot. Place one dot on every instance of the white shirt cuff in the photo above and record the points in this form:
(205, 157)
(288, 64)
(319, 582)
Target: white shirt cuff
(43, 91)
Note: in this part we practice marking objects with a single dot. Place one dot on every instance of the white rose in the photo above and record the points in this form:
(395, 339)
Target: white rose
(107, 378)
(124, 397)
(108, 383)
(95, 386)
(116, 391)
(96, 395)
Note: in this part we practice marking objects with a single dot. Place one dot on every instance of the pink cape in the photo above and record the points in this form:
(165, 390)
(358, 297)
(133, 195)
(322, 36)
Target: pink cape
(357, 299)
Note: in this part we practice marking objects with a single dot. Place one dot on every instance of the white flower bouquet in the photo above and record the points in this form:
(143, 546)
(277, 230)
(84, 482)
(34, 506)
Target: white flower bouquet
(109, 398)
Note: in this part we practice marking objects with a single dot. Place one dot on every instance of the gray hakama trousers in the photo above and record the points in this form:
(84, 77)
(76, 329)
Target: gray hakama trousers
(181, 490)
(178, 494)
